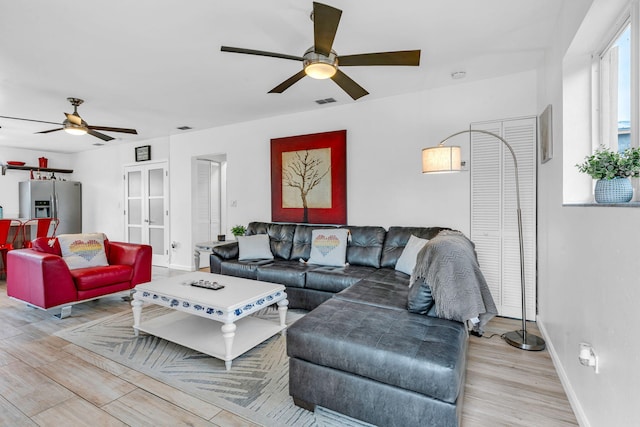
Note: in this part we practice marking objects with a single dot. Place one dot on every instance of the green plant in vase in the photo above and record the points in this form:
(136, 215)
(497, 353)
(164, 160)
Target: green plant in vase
(612, 171)
(238, 230)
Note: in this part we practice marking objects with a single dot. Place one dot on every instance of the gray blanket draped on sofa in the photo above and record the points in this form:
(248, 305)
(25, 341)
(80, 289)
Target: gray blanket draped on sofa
(448, 264)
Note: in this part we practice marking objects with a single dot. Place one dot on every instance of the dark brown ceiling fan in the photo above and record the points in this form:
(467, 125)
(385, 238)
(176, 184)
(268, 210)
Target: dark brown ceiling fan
(75, 125)
(321, 62)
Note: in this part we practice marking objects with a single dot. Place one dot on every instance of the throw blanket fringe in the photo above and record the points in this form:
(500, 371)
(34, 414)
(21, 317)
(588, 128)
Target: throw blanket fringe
(449, 265)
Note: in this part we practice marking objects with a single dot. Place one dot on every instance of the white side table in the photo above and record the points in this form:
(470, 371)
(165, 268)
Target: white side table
(205, 247)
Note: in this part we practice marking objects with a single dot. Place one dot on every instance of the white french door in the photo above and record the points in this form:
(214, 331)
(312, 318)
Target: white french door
(146, 211)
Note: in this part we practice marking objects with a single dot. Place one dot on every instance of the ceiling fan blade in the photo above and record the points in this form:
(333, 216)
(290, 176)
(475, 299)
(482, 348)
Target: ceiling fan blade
(74, 119)
(354, 90)
(108, 129)
(260, 53)
(402, 57)
(28, 120)
(50, 130)
(325, 26)
(102, 136)
(288, 83)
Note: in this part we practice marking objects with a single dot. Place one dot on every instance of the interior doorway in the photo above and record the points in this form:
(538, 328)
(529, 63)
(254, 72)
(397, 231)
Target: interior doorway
(146, 214)
(210, 215)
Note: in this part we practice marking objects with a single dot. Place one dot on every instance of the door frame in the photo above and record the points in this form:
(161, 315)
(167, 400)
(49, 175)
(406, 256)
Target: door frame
(160, 260)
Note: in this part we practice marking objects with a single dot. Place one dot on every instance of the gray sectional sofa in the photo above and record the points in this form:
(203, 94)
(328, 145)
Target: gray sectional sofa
(359, 351)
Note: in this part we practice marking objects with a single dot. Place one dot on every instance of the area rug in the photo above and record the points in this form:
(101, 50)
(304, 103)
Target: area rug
(256, 388)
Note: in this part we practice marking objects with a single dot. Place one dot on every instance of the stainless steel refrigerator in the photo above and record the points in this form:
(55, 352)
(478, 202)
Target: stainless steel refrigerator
(53, 199)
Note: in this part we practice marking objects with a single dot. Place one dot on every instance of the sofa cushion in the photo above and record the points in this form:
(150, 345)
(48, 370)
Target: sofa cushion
(83, 250)
(286, 272)
(387, 295)
(97, 277)
(254, 247)
(365, 245)
(419, 299)
(280, 236)
(389, 275)
(423, 354)
(246, 269)
(329, 247)
(397, 238)
(335, 279)
(407, 260)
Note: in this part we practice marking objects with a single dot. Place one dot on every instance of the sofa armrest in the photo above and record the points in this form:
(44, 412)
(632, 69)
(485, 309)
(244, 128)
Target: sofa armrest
(222, 253)
(39, 278)
(226, 251)
(135, 255)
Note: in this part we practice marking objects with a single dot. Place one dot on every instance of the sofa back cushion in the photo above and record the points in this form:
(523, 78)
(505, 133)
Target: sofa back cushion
(302, 240)
(280, 236)
(397, 238)
(365, 245)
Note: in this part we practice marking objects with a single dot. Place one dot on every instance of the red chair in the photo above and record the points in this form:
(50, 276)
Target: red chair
(6, 242)
(43, 225)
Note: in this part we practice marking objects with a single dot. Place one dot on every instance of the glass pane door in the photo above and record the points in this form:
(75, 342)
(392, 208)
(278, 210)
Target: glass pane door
(146, 208)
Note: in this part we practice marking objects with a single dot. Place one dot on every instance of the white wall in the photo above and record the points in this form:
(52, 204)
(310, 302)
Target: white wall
(588, 269)
(101, 174)
(9, 182)
(384, 141)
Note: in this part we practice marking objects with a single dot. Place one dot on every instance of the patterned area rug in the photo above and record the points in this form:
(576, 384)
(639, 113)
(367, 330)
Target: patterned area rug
(256, 387)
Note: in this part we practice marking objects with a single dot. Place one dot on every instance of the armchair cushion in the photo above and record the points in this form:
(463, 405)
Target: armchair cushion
(96, 277)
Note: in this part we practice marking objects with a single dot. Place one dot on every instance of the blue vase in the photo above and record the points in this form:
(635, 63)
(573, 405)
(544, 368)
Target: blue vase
(617, 190)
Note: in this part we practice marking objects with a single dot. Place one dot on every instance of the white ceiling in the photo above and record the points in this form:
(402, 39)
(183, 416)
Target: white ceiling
(155, 65)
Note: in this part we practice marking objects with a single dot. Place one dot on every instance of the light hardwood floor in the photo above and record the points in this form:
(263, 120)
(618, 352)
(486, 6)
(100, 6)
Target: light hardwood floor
(45, 381)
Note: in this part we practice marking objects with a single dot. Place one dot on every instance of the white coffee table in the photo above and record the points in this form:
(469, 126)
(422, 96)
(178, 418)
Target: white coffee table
(193, 309)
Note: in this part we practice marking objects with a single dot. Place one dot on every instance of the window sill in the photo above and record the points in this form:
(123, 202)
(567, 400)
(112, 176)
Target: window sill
(603, 205)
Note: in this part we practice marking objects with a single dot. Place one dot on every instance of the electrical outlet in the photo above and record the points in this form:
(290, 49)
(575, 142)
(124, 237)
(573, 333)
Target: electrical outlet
(587, 356)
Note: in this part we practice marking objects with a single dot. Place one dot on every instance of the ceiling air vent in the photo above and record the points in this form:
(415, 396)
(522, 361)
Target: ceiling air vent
(325, 101)
(184, 127)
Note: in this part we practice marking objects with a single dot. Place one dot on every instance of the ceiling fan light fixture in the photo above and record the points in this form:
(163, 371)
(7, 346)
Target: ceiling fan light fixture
(318, 66)
(74, 129)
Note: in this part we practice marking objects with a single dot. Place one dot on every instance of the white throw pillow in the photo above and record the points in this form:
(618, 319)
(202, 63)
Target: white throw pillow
(83, 250)
(254, 247)
(407, 260)
(329, 247)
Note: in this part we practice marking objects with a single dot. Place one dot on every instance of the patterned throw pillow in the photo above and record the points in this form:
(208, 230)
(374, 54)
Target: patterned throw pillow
(83, 250)
(329, 247)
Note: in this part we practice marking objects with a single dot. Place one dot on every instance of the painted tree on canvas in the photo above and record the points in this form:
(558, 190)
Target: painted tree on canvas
(303, 172)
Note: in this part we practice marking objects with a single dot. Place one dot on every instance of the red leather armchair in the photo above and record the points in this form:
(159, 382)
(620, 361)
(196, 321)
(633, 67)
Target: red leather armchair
(40, 277)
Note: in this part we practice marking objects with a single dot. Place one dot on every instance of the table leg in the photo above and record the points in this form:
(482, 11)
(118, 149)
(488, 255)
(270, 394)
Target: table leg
(228, 332)
(282, 311)
(196, 258)
(136, 306)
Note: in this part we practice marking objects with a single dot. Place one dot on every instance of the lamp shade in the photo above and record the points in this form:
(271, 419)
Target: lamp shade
(441, 159)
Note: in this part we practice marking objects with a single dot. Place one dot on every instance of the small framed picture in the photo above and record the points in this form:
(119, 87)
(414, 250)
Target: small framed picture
(143, 153)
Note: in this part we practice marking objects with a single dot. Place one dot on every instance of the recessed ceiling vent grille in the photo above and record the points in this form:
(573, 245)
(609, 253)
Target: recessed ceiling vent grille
(325, 101)
(184, 127)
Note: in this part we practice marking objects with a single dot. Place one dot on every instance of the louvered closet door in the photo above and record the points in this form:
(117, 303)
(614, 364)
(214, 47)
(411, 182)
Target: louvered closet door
(494, 221)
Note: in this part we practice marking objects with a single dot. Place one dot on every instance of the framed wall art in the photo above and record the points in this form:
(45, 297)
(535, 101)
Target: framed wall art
(308, 178)
(546, 135)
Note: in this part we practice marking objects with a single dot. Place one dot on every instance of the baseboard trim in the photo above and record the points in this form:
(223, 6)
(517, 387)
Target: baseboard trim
(581, 417)
(181, 267)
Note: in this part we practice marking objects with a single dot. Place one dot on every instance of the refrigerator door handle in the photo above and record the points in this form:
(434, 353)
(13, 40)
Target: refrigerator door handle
(55, 206)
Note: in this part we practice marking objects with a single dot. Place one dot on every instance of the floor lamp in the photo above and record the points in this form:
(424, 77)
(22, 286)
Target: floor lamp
(447, 159)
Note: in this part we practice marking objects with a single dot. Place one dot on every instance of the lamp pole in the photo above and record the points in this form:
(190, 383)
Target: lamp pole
(520, 339)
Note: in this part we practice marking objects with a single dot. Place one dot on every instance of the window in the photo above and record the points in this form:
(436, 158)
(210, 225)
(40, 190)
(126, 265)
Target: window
(615, 91)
